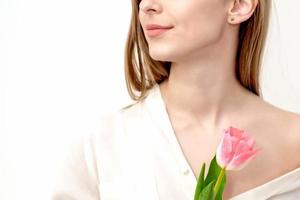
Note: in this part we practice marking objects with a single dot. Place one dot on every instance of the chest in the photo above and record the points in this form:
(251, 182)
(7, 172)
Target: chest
(199, 148)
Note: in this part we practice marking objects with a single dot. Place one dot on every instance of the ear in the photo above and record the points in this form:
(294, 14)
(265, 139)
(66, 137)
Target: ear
(241, 10)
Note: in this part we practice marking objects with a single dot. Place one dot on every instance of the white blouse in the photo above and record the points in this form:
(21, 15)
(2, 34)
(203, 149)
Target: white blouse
(135, 155)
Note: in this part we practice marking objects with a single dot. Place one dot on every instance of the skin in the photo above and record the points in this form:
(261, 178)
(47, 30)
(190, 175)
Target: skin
(203, 96)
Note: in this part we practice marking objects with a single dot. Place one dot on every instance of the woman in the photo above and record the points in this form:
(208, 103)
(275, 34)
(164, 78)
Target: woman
(192, 76)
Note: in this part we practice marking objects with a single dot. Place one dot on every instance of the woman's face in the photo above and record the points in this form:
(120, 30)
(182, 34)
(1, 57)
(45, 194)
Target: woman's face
(197, 24)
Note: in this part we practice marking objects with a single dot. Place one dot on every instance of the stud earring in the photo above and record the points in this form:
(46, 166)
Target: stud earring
(232, 19)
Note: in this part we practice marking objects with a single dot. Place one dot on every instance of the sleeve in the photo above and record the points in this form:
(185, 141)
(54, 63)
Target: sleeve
(77, 177)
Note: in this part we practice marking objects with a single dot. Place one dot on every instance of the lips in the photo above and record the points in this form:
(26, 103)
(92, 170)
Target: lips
(157, 26)
(153, 30)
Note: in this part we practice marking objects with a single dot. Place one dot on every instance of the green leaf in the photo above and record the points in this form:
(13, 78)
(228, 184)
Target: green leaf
(200, 182)
(213, 173)
(208, 192)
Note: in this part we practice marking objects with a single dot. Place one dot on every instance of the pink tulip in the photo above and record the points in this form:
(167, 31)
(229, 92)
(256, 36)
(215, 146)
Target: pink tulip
(235, 149)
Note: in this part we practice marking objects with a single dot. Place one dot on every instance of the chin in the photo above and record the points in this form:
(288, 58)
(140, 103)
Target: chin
(164, 56)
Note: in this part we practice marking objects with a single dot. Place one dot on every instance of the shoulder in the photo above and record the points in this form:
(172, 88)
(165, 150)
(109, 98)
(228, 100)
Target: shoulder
(276, 117)
(111, 117)
(114, 120)
(294, 130)
(289, 138)
(136, 108)
(286, 126)
(278, 133)
(280, 127)
(289, 124)
(139, 106)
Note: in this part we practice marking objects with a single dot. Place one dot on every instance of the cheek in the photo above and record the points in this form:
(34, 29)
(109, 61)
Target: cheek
(196, 26)
(201, 24)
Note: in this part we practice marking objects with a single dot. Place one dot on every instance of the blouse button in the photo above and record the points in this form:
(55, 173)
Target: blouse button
(186, 172)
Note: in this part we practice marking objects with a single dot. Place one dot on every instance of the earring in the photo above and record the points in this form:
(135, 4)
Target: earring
(232, 19)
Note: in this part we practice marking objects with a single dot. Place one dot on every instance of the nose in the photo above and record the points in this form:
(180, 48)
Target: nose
(150, 6)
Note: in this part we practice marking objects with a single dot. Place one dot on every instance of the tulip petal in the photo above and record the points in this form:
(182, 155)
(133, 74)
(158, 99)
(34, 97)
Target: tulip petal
(234, 142)
(251, 142)
(242, 160)
(245, 136)
(236, 132)
(224, 150)
(241, 148)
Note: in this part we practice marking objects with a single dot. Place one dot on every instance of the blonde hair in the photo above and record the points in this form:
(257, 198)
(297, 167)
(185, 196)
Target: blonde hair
(142, 72)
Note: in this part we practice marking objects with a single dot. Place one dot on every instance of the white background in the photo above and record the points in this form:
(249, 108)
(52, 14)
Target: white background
(61, 68)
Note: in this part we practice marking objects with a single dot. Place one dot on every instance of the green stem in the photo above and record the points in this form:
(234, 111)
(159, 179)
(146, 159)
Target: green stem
(218, 183)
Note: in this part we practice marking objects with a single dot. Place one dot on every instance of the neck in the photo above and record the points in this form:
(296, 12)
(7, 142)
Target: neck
(205, 89)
